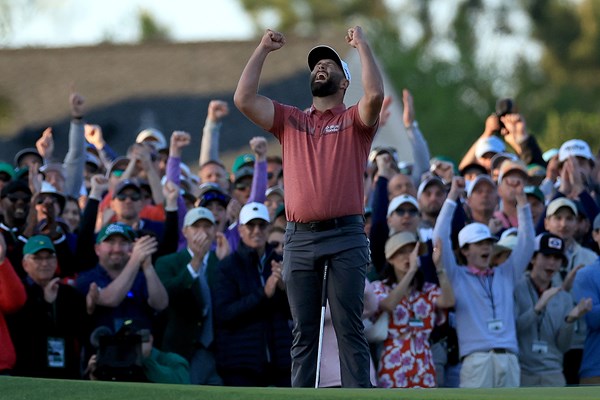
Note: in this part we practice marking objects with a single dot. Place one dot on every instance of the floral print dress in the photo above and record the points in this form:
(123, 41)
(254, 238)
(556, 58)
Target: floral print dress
(406, 360)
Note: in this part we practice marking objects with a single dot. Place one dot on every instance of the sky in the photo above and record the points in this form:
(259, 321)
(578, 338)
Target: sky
(56, 23)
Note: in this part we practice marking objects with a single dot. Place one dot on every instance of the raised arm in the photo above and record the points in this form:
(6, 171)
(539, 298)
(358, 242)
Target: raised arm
(420, 148)
(74, 161)
(258, 109)
(209, 146)
(443, 226)
(370, 103)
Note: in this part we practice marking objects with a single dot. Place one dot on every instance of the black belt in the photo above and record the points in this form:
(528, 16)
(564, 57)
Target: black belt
(496, 350)
(327, 224)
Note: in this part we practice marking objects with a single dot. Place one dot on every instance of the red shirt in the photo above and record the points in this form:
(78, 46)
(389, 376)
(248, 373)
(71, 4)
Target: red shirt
(324, 160)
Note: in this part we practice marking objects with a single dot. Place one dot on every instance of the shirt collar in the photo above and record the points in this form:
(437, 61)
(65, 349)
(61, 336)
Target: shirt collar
(480, 272)
(337, 110)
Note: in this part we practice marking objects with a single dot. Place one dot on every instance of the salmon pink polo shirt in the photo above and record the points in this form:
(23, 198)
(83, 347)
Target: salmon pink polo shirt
(324, 160)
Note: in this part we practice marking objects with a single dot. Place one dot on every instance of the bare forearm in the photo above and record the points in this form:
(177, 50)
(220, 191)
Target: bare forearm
(371, 76)
(446, 299)
(115, 292)
(247, 88)
(158, 298)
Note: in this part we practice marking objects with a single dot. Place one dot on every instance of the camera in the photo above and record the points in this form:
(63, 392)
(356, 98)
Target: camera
(119, 355)
(503, 107)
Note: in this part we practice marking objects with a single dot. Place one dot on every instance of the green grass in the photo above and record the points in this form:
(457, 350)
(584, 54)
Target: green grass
(45, 389)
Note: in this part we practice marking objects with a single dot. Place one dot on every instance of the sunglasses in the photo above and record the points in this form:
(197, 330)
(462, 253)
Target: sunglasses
(14, 199)
(274, 243)
(132, 196)
(402, 212)
(261, 225)
(241, 186)
(214, 196)
(41, 199)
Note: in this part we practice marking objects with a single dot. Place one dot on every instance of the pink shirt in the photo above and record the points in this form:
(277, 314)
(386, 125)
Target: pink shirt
(324, 160)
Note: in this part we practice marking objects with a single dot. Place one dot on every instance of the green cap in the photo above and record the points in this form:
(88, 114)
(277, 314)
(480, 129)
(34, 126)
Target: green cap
(8, 169)
(535, 192)
(242, 160)
(115, 229)
(37, 243)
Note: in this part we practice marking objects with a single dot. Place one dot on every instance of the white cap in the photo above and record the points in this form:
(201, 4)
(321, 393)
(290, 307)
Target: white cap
(490, 144)
(154, 137)
(478, 179)
(558, 203)
(252, 211)
(430, 180)
(399, 200)
(196, 214)
(576, 148)
(474, 233)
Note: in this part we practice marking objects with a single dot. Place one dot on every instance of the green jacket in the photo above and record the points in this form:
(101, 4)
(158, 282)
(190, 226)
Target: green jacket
(185, 313)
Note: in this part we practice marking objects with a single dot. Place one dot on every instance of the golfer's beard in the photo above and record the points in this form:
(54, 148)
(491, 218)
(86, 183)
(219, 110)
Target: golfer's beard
(323, 89)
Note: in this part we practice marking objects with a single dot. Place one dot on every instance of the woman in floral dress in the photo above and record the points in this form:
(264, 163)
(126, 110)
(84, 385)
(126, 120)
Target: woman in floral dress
(414, 305)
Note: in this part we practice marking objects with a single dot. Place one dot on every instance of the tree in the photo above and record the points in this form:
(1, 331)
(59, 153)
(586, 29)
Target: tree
(459, 57)
(150, 29)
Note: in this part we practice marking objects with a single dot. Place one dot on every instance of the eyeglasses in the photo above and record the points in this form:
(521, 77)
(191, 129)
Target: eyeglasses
(402, 212)
(132, 196)
(241, 186)
(49, 257)
(13, 199)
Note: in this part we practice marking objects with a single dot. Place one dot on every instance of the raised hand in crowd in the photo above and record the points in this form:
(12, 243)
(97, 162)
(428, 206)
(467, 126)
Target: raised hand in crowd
(443, 169)
(99, 186)
(492, 125)
(408, 114)
(143, 248)
(258, 144)
(171, 192)
(233, 209)
(45, 144)
(274, 280)
(93, 134)
(76, 102)
(91, 299)
(35, 178)
(570, 278)
(385, 113)
(457, 189)
(277, 267)
(572, 179)
(545, 298)
(223, 249)
(217, 110)
(514, 131)
(51, 290)
(200, 245)
(179, 140)
(385, 165)
(583, 307)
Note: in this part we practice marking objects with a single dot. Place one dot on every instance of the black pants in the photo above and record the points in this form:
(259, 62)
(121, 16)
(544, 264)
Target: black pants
(305, 254)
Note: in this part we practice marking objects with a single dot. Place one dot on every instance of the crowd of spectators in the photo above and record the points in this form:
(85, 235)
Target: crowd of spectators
(486, 269)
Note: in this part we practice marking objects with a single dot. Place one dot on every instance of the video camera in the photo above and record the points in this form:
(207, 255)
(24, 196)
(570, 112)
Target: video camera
(119, 355)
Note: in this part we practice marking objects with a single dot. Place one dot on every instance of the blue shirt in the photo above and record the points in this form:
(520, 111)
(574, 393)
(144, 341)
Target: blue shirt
(587, 284)
(134, 305)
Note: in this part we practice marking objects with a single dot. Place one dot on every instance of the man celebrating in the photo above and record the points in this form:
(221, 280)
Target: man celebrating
(323, 148)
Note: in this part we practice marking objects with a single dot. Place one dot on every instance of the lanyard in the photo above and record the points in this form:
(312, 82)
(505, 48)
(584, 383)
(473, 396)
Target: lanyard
(487, 288)
(534, 299)
(261, 268)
